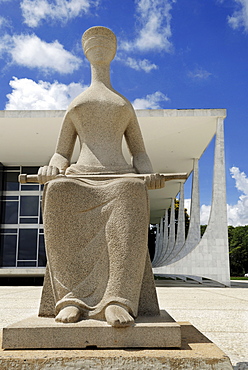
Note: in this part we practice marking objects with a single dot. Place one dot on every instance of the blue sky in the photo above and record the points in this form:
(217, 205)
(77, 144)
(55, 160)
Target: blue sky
(171, 54)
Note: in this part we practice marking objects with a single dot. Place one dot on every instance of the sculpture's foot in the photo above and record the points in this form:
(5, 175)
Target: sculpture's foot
(68, 314)
(118, 316)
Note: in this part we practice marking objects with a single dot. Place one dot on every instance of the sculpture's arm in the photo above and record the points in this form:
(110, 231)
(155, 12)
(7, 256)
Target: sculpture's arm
(62, 156)
(140, 160)
(65, 145)
(135, 143)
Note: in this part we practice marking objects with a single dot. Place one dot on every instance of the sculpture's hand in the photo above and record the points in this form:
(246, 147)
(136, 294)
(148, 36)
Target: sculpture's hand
(155, 181)
(47, 173)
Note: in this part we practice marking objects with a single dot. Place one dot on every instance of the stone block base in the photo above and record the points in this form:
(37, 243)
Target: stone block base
(196, 353)
(148, 332)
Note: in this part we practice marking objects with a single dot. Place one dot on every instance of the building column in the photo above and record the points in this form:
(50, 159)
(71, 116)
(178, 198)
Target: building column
(180, 239)
(210, 257)
(171, 239)
(194, 232)
(215, 238)
(160, 254)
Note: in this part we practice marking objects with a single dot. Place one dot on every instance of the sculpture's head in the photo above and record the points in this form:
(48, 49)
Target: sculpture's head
(99, 45)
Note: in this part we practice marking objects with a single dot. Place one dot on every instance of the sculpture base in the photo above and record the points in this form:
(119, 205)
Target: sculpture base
(148, 332)
(197, 352)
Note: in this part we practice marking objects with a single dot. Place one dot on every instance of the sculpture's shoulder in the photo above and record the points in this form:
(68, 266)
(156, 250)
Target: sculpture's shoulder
(81, 99)
(125, 102)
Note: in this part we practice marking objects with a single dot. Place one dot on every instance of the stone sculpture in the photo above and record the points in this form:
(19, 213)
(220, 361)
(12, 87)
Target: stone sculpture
(96, 231)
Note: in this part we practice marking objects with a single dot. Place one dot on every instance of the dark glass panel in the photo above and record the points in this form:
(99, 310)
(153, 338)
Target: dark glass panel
(29, 205)
(27, 220)
(10, 212)
(8, 253)
(30, 187)
(26, 263)
(11, 181)
(10, 197)
(1, 191)
(27, 244)
(42, 253)
(12, 168)
(41, 217)
(30, 170)
(9, 231)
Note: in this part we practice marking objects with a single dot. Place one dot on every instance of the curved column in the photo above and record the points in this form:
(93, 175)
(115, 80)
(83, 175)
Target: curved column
(194, 233)
(163, 251)
(214, 242)
(171, 239)
(180, 239)
(210, 258)
(159, 242)
(161, 235)
(156, 244)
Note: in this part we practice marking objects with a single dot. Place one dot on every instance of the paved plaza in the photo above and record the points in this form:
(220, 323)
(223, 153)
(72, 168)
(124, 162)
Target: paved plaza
(219, 313)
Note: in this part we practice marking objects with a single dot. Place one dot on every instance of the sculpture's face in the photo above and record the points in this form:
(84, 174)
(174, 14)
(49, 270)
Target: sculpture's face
(100, 49)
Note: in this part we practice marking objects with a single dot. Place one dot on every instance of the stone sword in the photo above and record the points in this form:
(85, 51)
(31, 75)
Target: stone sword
(24, 178)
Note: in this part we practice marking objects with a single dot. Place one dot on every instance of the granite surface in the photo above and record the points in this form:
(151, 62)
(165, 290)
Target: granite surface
(184, 301)
(96, 231)
(197, 353)
(37, 333)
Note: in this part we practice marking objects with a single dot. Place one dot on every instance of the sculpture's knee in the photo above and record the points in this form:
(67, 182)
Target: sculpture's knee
(132, 196)
(56, 187)
(140, 187)
(136, 189)
(56, 193)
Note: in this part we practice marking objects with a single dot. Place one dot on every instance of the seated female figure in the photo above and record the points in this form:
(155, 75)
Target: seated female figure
(96, 231)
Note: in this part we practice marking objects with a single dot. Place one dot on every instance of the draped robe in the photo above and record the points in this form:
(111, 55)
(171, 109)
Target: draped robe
(96, 244)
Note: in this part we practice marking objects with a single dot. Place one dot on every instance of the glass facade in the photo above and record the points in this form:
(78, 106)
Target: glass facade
(21, 232)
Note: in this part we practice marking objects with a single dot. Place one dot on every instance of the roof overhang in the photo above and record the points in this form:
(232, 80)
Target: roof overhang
(173, 138)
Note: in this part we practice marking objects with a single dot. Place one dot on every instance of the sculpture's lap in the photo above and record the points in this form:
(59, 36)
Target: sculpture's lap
(96, 241)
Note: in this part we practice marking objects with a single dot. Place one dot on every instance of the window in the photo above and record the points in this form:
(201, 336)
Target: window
(21, 233)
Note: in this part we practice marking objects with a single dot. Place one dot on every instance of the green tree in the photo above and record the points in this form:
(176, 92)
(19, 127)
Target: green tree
(203, 228)
(238, 250)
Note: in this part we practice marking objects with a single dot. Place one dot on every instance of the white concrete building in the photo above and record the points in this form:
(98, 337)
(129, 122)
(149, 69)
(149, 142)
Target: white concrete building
(175, 141)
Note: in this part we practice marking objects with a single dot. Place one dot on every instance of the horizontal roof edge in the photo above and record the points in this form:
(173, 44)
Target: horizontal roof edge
(221, 113)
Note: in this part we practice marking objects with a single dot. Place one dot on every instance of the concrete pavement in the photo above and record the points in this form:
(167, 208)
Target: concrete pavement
(219, 313)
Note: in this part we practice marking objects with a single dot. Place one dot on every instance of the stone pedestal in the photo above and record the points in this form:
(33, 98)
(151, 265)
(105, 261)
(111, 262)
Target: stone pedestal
(196, 353)
(148, 332)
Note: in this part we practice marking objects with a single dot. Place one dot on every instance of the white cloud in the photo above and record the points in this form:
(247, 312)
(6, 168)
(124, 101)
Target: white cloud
(154, 29)
(151, 101)
(199, 74)
(241, 179)
(34, 11)
(204, 214)
(139, 65)
(29, 95)
(238, 213)
(187, 203)
(30, 51)
(3, 22)
(240, 17)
